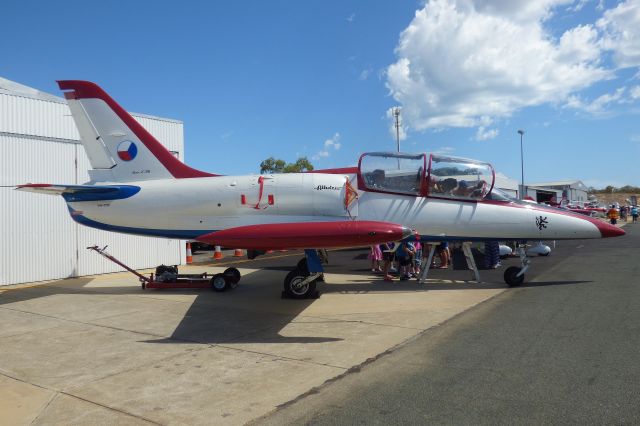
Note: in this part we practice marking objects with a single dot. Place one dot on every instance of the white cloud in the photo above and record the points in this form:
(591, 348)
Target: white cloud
(634, 93)
(351, 18)
(461, 60)
(484, 134)
(621, 28)
(331, 144)
(364, 74)
(599, 105)
(580, 4)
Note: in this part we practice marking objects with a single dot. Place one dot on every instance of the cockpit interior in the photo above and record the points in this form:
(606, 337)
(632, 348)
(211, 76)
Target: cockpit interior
(430, 175)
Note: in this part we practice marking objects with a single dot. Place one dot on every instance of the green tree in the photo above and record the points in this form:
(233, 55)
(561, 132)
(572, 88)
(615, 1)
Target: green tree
(273, 165)
(301, 165)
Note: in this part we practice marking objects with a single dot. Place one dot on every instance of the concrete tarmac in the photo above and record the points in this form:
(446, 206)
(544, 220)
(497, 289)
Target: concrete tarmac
(565, 349)
(99, 350)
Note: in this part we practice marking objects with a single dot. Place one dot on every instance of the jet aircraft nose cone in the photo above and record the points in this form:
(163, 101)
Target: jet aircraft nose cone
(608, 230)
(406, 232)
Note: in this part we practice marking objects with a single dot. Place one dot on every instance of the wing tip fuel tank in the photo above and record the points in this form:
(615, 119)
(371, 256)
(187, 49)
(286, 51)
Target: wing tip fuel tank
(308, 235)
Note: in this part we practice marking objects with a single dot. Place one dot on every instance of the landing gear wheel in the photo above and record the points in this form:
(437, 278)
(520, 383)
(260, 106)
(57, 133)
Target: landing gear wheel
(219, 282)
(294, 287)
(233, 276)
(302, 265)
(511, 278)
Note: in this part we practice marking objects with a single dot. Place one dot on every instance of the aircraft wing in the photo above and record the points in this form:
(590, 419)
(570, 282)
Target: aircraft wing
(348, 233)
(82, 192)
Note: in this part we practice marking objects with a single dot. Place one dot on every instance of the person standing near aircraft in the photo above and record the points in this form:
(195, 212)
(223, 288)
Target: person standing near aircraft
(445, 255)
(405, 255)
(417, 259)
(387, 257)
(375, 254)
(634, 214)
(613, 215)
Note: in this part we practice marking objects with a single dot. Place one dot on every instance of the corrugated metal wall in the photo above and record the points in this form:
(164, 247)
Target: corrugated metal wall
(39, 241)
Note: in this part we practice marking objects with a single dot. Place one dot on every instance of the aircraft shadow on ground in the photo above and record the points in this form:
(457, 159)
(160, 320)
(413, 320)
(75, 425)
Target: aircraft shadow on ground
(209, 321)
(206, 321)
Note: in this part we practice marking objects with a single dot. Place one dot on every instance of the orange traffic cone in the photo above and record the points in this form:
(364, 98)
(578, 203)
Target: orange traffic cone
(238, 253)
(189, 254)
(217, 254)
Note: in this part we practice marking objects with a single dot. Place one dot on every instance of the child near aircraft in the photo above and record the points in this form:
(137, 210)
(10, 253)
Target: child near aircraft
(417, 259)
(445, 256)
(375, 254)
(387, 257)
(405, 254)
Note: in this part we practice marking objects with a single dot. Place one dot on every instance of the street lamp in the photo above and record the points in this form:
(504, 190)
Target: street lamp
(521, 133)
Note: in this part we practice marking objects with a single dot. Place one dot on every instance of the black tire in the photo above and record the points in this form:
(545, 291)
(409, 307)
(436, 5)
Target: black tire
(292, 285)
(511, 278)
(302, 266)
(233, 275)
(219, 283)
(546, 254)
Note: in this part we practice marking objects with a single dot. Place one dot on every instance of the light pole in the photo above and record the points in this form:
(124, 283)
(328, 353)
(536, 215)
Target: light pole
(521, 132)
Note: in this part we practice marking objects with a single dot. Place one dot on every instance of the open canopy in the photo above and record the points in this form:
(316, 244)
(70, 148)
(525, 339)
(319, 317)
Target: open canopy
(421, 175)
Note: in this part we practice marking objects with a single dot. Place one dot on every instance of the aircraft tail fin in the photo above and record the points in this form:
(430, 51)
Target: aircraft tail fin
(119, 148)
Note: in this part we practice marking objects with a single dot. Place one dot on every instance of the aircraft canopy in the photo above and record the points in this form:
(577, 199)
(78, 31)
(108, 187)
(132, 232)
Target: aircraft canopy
(421, 175)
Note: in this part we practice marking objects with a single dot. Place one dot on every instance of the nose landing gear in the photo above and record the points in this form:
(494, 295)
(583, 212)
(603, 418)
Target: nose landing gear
(514, 276)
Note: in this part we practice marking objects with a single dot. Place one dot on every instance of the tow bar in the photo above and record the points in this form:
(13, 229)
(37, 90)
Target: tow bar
(167, 276)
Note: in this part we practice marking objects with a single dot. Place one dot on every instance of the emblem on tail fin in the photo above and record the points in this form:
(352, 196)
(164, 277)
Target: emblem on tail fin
(127, 150)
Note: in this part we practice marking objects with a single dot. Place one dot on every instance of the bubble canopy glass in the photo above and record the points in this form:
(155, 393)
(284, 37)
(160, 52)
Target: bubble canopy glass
(393, 172)
(459, 178)
(411, 174)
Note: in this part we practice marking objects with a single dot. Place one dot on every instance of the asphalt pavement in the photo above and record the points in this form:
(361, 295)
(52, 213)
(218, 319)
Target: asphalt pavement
(563, 349)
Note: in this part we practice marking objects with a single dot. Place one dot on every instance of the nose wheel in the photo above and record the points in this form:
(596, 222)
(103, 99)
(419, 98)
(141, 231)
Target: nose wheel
(514, 275)
(512, 278)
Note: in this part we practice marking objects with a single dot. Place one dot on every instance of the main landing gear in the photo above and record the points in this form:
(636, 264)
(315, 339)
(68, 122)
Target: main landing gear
(514, 276)
(301, 282)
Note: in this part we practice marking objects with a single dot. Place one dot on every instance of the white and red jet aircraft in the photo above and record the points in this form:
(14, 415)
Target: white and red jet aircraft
(138, 187)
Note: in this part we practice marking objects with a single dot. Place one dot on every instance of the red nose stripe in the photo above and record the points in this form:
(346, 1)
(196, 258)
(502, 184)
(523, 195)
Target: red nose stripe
(608, 230)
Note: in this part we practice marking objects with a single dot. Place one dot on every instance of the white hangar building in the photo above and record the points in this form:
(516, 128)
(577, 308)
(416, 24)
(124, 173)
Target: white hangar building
(39, 143)
(572, 190)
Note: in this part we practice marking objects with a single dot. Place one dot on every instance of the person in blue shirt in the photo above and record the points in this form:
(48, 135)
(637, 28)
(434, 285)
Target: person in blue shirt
(405, 254)
(634, 214)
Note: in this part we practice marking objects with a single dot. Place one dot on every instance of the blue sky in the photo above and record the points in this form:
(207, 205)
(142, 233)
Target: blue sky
(317, 78)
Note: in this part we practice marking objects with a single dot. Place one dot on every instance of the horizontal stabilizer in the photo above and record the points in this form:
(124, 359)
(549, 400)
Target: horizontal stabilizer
(76, 193)
(307, 235)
